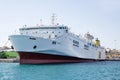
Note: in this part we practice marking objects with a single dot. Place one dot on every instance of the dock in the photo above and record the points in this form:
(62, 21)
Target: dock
(113, 55)
(12, 60)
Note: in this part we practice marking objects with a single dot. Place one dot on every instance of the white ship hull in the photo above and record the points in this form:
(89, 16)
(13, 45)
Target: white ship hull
(40, 50)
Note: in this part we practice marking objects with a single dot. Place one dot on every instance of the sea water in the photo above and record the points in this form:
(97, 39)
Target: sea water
(106, 70)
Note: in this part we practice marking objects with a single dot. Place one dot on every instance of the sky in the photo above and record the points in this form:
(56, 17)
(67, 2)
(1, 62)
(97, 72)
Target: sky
(101, 18)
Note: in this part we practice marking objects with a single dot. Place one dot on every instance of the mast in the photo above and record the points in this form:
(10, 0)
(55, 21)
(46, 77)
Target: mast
(53, 19)
(41, 22)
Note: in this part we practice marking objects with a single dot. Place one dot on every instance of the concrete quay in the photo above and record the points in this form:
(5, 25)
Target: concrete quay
(11, 60)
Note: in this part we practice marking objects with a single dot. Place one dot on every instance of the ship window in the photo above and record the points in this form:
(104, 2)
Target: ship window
(89, 44)
(54, 42)
(86, 47)
(66, 31)
(60, 27)
(55, 35)
(93, 45)
(75, 43)
(32, 38)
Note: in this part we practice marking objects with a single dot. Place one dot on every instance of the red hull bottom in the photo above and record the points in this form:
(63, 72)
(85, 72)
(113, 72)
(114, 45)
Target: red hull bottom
(40, 58)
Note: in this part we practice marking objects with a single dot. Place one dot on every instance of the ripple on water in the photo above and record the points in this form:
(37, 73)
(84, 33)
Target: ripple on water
(108, 70)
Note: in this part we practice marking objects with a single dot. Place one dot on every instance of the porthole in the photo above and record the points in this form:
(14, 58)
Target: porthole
(34, 47)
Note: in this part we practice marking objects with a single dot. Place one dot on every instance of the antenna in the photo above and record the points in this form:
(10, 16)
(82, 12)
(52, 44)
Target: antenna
(41, 22)
(53, 19)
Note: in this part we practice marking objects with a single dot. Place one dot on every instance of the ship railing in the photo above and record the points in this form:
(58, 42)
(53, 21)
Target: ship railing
(77, 36)
(52, 38)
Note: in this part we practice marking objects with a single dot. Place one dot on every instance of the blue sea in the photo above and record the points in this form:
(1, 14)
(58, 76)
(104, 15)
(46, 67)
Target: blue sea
(106, 70)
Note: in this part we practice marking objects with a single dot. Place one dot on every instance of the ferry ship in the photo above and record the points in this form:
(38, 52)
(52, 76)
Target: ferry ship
(55, 44)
